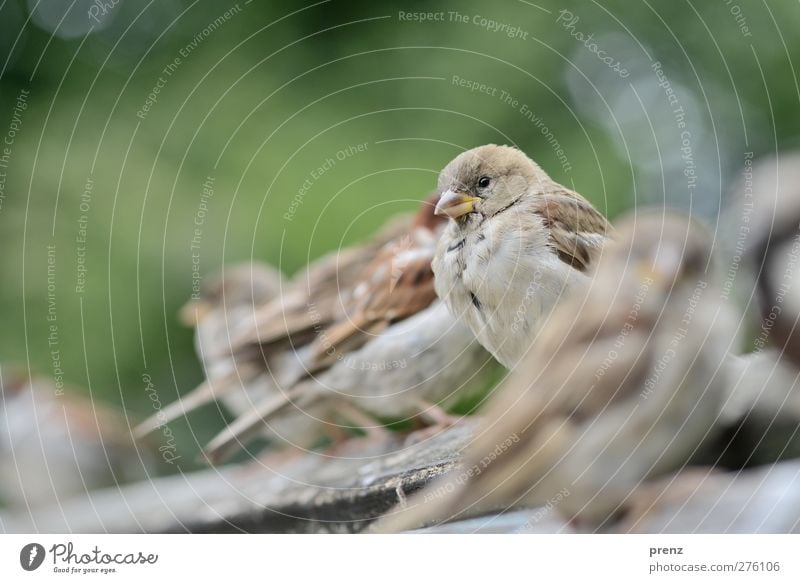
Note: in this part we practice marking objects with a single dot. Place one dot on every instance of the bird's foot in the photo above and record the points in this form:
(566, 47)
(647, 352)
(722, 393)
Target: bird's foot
(275, 458)
(441, 421)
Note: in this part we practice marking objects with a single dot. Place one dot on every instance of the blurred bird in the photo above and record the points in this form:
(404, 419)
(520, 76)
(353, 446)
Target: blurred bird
(620, 385)
(517, 241)
(228, 301)
(775, 254)
(764, 385)
(390, 350)
(229, 306)
(55, 444)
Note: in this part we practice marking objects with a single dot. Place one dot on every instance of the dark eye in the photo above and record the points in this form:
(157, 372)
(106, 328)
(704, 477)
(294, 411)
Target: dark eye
(484, 181)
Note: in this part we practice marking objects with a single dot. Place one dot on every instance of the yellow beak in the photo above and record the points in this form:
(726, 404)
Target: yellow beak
(455, 204)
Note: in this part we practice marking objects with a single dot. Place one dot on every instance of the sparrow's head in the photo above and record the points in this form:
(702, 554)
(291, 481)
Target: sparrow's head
(659, 250)
(773, 194)
(772, 191)
(486, 180)
(241, 285)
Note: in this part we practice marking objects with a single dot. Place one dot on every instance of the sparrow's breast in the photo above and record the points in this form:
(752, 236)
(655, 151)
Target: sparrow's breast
(460, 268)
(499, 280)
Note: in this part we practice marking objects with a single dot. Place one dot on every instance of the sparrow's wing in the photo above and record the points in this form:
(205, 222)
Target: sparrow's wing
(397, 285)
(577, 229)
(315, 296)
(308, 304)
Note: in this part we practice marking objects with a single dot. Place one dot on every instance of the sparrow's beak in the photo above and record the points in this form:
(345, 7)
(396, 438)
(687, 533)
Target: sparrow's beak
(193, 312)
(455, 204)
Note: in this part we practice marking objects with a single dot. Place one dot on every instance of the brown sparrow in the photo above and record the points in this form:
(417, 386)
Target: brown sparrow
(55, 444)
(517, 241)
(392, 350)
(775, 253)
(762, 384)
(621, 384)
(229, 301)
(226, 301)
(313, 298)
(229, 306)
(247, 315)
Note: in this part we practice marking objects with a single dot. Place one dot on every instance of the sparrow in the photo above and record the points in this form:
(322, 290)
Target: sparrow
(760, 415)
(227, 306)
(764, 383)
(621, 384)
(391, 349)
(774, 254)
(226, 300)
(55, 444)
(251, 326)
(761, 384)
(515, 243)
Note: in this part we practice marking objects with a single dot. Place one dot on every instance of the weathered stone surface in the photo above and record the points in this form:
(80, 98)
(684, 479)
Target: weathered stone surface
(345, 490)
(338, 492)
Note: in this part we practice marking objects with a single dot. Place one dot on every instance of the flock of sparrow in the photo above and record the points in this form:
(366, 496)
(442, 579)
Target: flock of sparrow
(623, 353)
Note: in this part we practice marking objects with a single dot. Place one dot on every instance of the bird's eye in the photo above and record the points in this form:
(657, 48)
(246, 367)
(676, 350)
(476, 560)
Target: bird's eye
(484, 181)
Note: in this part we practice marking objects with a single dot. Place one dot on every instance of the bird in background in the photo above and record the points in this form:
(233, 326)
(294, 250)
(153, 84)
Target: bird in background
(228, 300)
(766, 381)
(252, 330)
(516, 242)
(56, 444)
(228, 306)
(623, 383)
(774, 255)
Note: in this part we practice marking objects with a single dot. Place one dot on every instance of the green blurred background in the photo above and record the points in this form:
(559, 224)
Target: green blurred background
(265, 93)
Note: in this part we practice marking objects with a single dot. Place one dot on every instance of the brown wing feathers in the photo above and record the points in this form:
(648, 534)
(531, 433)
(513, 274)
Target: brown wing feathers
(574, 227)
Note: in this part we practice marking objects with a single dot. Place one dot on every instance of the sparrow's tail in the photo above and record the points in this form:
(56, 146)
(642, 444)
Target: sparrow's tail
(207, 391)
(247, 426)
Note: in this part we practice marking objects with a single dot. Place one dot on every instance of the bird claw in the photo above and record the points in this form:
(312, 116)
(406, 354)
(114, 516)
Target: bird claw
(426, 433)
